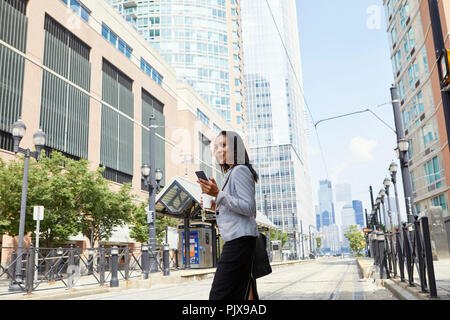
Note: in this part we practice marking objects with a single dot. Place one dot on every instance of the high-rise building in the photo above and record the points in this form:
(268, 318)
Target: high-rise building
(417, 76)
(202, 41)
(343, 193)
(348, 216)
(326, 204)
(275, 111)
(359, 214)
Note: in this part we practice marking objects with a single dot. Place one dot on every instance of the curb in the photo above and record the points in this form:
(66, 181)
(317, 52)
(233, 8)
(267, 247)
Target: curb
(401, 290)
(398, 291)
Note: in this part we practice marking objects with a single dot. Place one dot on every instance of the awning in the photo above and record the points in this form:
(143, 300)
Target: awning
(178, 197)
(263, 222)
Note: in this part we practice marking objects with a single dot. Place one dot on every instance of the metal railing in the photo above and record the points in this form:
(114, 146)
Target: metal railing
(70, 265)
(405, 249)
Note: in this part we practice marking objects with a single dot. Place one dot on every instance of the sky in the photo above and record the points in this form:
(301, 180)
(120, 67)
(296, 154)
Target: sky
(346, 67)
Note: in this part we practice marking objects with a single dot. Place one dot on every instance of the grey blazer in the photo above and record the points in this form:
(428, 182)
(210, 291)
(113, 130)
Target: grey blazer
(236, 205)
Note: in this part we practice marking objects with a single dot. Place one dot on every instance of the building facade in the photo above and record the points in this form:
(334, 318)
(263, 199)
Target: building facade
(326, 214)
(202, 41)
(275, 112)
(359, 214)
(416, 75)
(82, 74)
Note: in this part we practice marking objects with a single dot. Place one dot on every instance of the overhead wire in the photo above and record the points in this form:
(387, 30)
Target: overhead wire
(300, 86)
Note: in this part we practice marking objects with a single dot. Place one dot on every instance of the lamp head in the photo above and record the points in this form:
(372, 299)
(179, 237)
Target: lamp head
(158, 175)
(403, 145)
(393, 168)
(145, 170)
(18, 129)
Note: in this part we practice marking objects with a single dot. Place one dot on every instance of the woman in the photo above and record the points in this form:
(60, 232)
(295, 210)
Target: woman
(235, 208)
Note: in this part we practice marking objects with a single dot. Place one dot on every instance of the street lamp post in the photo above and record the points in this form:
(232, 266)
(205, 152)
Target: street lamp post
(18, 132)
(152, 178)
(402, 151)
(399, 236)
(382, 193)
(387, 183)
(393, 170)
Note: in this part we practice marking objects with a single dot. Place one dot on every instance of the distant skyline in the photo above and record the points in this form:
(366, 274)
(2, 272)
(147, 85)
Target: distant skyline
(347, 68)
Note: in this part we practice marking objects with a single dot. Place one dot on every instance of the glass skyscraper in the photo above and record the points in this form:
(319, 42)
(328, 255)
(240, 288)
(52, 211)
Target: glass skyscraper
(275, 112)
(325, 213)
(202, 40)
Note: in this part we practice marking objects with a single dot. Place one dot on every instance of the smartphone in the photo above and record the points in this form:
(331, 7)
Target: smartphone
(201, 175)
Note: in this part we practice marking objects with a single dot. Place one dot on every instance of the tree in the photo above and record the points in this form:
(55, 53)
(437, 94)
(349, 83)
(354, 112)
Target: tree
(50, 184)
(139, 229)
(102, 210)
(75, 199)
(356, 239)
(318, 243)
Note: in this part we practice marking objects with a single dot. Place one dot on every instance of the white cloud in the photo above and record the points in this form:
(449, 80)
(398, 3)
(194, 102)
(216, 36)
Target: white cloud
(363, 148)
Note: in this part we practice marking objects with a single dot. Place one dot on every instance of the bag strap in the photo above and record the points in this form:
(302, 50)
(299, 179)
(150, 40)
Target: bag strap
(228, 178)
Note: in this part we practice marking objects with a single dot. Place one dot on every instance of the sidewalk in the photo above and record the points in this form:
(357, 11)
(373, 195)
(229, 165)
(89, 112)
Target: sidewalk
(88, 285)
(401, 289)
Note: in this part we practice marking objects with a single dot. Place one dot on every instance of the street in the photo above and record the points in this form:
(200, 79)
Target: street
(325, 279)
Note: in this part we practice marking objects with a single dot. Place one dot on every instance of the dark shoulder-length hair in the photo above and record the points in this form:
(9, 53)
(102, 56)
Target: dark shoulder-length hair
(237, 153)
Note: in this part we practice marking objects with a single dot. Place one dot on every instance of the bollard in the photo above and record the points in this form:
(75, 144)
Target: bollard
(400, 256)
(381, 255)
(59, 253)
(407, 247)
(419, 255)
(114, 282)
(70, 268)
(30, 270)
(102, 266)
(126, 253)
(176, 259)
(145, 261)
(12, 267)
(91, 261)
(429, 257)
(52, 265)
(166, 259)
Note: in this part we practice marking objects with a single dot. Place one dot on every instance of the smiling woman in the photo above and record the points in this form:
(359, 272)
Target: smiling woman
(235, 207)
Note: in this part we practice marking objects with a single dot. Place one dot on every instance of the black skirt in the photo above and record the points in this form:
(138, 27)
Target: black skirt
(233, 274)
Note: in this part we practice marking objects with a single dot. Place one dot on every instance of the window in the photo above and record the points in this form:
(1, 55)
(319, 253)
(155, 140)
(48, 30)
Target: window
(216, 128)
(116, 41)
(439, 201)
(151, 72)
(203, 117)
(432, 170)
(78, 8)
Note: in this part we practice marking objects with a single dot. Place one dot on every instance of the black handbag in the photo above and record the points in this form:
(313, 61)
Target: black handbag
(261, 264)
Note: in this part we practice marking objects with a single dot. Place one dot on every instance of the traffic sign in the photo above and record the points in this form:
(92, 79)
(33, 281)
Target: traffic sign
(366, 230)
(38, 213)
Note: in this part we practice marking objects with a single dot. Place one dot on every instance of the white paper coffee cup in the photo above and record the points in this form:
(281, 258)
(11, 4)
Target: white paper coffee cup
(207, 201)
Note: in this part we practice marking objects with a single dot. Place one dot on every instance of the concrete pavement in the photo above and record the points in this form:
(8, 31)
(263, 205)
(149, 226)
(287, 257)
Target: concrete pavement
(402, 290)
(323, 279)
